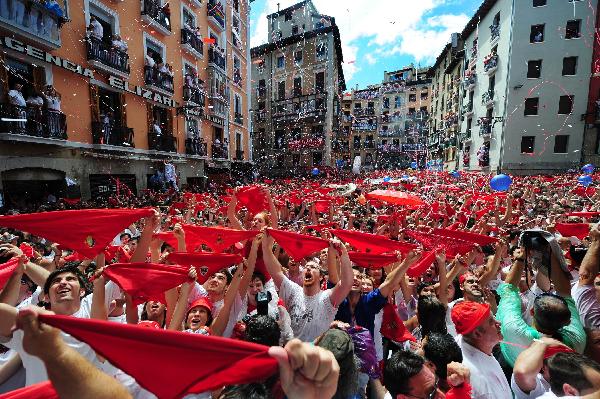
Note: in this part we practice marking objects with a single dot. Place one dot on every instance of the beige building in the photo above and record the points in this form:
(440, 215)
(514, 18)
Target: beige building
(296, 91)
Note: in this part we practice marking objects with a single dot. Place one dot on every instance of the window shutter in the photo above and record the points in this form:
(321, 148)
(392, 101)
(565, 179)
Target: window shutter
(94, 103)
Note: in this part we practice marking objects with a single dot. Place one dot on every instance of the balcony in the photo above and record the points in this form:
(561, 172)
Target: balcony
(192, 43)
(391, 118)
(308, 143)
(487, 98)
(466, 136)
(239, 155)
(217, 106)
(32, 21)
(116, 135)
(397, 132)
(165, 142)
(308, 108)
(364, 112)
(485, 127)
(467, 109)
(219, 151)
(196, 146)
(474, 53)
(33, 121)
(153, 14)
(161, 81)
(490, 63)
(194, 95)
(107, 58)
(413, 147)
(238, 118)
(216, 13)
(216, 57)
(364, 126)
(494, 33)
(369, 144)
(347, 118)
(469, 82)
(261, 92)
(389, 148)
(237, 77)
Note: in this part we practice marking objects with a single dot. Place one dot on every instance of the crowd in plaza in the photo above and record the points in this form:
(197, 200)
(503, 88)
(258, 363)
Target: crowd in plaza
(412, 284)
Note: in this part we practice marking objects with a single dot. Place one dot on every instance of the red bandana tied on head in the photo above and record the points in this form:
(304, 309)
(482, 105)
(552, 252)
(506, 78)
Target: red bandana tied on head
(86, 231)
(579, 230)
(166, 362)
(372, 243)
(206, 263)
(553, 350)
(146, 281)
(465, 236)
(253, 198)
(298, 246)
(41, 390)
(217, 238)
(467, 316)
(6, 270)
(372, 261)
(392, 327)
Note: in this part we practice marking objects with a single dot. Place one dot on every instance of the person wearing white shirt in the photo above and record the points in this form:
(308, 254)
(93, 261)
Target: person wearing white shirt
(586, 292)
(479, 333)
(15, 96)
(95, 28)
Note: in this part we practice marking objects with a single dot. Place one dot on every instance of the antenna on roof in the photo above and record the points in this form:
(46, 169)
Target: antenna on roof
(277, 7)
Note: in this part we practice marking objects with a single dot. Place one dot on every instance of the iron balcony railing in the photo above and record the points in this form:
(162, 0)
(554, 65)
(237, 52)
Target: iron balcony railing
(154, 10)
(194, 94)
(111, 134)
(215, 10)
(97, 50)
(217, 58)
(195, 146)
(33, 121)
(191, 39)
(165, 142)
(153, 76)
(219, 151)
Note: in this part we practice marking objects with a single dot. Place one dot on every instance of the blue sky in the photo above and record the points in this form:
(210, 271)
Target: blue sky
(380, 35)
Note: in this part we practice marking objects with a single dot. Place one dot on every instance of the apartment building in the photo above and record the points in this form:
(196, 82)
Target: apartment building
(591, 137)
(297, 82)
(522, 92)
(446, 86)
(101, 93)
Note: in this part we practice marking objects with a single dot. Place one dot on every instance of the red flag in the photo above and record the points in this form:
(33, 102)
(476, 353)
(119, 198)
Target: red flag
(465, 236)
(298, 246)
(372, 261)
(166, 362)
(253, 198)
(209, 40)
(86, 231)
(41, 390)
(6, 270)
(422, 265)
(372, 243)
(206, 263)
(579, 230)
(217, 238)
(146, 281)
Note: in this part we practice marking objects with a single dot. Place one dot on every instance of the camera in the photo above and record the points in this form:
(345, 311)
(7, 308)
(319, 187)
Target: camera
(262, 302)
(539, 246)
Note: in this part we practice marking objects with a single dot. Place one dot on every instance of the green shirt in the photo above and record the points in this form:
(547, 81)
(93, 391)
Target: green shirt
(517, 331)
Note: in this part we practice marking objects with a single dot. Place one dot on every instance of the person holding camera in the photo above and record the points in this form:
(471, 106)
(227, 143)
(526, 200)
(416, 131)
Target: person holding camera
(586, 292)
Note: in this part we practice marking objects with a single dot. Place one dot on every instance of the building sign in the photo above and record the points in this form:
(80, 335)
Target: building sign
(108, 185)
(63, 63)
(216, 119)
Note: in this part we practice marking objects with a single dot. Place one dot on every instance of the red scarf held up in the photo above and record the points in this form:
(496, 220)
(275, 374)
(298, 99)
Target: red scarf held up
(206, 263)
(253, 198)
(392, 327)
(372, 261)
(579, 230)
(217, 238)
(6, 270)
(422, 265)
(146, 281)
(584, 214)
(452, 246)
(298, 246)
(465, 236)
(372, 243)
(41, 390)
(86, 231)
(166, 363)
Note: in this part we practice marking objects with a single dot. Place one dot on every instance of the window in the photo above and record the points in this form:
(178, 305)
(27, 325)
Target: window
(469, 126)
(281, 61)
(527, 144)
(317, 131)
(189, 19)
(281, 90)
(386, 102)
(496, 21)
(288, 16)
(236, 5)
(534, 69)
(297, 86)
(294, 30)
(539, 3)
(531, 106)
(397, 102)
(298, 56)
(569, 66)
(319, 82)
(321, 50)
(413, 97)
(561, 143)
(573, 29)
(317, 158)
(492, 83)
(565, 105)
(279, 139)
(537, 34)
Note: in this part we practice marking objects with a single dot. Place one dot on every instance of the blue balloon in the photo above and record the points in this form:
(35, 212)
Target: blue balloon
(588, 169)
(413, 165)
(584, 180)
(315, 172)
(386, 179)
(406, 177)
(500, 182)
(455, 174)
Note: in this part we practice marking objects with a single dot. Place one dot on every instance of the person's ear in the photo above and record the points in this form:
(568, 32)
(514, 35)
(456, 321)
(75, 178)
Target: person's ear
(569, 390)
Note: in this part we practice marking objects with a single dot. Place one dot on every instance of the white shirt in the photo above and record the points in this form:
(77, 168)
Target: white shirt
(53, 103)
(97, 29)
(310, 315)
(35, 371)
(157, 130)
(149, 61)
(35, 100)
(487, 378)
(541, 387)
(15, 97)
(587, 304)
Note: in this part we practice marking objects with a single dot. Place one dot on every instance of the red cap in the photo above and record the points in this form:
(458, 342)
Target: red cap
(553, 350)
(463, 277)
(467, 316)
(148, 324)
(204, 302)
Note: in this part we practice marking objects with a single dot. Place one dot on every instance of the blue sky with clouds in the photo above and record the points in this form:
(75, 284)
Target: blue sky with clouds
(380, 35)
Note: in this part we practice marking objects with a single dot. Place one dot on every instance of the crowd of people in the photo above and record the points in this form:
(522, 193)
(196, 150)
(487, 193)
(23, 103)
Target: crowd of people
(415, 284)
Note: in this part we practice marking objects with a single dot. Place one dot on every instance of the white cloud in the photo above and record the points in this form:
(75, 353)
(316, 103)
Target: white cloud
(392, 27)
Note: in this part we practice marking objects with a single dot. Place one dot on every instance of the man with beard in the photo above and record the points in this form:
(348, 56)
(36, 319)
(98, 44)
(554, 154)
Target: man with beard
(311, 310)
(479, 333)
